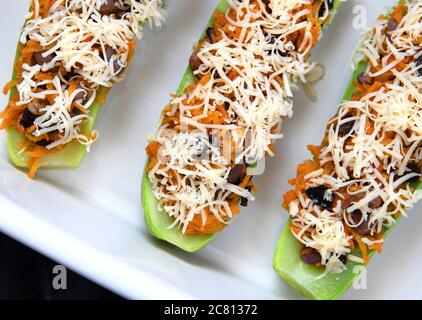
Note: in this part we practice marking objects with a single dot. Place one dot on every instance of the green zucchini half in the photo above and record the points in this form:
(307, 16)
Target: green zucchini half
(309, 280)
(158, 221)
(71, 155)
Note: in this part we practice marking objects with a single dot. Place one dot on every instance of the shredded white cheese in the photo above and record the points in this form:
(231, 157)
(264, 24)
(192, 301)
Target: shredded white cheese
(377, 160)
(255, 101)
(89, 45)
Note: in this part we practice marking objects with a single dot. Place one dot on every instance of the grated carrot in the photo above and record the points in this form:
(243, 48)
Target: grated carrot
(9, 85)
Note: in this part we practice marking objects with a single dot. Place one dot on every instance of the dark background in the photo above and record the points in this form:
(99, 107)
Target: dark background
(26, 274)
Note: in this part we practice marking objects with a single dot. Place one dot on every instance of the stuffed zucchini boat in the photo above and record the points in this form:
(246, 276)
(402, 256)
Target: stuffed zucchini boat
(366, 172)
(226, 114)
(70, 53)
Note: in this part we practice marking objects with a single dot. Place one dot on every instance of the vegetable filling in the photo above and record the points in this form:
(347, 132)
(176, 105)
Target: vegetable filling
(364, 174)
(71, 53)
(213, 134)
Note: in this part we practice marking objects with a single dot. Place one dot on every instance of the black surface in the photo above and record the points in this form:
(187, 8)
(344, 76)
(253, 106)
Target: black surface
(26, 274)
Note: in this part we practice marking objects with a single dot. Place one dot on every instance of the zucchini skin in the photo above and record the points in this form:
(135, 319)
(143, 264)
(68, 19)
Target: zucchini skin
(157, 222)
(307, 279)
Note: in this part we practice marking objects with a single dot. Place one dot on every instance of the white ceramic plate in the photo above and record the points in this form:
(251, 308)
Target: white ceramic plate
(92, 220)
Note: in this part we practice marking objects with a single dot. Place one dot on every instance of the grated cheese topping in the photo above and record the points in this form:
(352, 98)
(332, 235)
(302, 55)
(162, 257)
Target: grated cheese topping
(251, 75)
(373, 161)
(85, 44)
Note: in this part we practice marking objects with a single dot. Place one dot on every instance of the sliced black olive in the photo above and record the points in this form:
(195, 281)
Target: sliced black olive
(375, 203)
(235, 174)
(244, 201)
(310, 256)
(321, 196)
(419, 64)
(363, 227)
(413, 167)
(29, 115)
(277, 50)
(267, 6)
(109, 7)
(82, 95)
(322, 9)
(351, 199)
(392, 25)
(346, 127)
(117, 68)
(266, 2)
(194, 61)
(211, 34)
(41, 60)
(108, 52)
(43, 142)
(363, 78)
(346, 202)
(343, 258)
